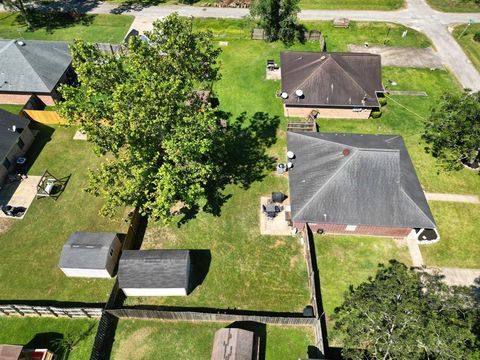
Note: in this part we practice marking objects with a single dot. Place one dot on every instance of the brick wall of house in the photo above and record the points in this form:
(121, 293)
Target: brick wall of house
(334, 113)
(360, 229)
(21, 99)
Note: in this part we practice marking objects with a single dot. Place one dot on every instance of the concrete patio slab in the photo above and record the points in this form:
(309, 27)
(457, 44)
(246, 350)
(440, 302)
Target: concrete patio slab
(20, 193)
(471, 199)
(277, 225)
(458, 276)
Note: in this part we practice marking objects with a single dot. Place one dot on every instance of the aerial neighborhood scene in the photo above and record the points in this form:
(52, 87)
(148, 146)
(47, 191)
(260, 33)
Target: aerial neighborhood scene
(239, 179)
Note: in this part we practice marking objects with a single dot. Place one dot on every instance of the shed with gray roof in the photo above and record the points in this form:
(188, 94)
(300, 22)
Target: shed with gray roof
(338, 85)
(90, 254)
(235, 344)
(154, 272)
(355, 183)
(32, 67)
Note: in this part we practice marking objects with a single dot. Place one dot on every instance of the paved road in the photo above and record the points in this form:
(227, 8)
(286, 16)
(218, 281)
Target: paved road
(417, 15)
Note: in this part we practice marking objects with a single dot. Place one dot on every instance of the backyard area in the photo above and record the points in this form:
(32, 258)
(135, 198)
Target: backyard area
(455, 5)
(470, 46)
(146, 339)
(53, 334)
(65, 27)
(31, 247)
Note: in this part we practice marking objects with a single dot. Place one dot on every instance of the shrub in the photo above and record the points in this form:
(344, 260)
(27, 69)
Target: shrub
(476, 37)
(376, 114)
(382, 101)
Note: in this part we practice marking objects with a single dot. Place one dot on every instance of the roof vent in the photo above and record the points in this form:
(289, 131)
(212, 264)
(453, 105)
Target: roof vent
(299, 93)
(20, 43)
(284, 95)
(323, 57)
(346, 152)
(290, 154)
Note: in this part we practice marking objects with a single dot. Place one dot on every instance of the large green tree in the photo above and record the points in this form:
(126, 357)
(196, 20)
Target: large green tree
(278, 18)
(452, 131)
(404, 314)
(22, 6)
(162, 142)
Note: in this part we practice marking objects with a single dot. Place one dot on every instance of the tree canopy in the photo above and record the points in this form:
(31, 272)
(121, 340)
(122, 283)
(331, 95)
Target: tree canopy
(452, 131)
(141, 110)
(22, 6)
(404, 314)
(278, 18)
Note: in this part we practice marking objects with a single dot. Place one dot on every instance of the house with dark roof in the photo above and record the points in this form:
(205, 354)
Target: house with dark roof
(235, 344)
(90, 255)
(357, 184)
(15, 139)
(32, 67)
(337, 85)
(154, 272)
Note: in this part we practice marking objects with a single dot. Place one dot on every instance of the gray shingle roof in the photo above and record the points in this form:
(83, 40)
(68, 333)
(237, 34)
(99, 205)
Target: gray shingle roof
(35, 67)
(355, 179)
(86, 250)
(8, 138)
(154, 269)
(233, 344)
(10, 352)
(331, 79)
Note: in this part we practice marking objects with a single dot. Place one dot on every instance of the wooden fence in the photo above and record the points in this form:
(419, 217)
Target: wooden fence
(210, 316)
(44, 116)
(49, 311)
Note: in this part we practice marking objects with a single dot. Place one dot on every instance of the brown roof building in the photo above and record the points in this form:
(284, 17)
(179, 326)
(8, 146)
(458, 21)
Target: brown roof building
(338, 85)
(235, 344)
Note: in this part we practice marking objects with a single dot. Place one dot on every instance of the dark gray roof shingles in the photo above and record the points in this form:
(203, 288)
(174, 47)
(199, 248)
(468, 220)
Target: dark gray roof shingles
(158, 269)
(35, 67)
(86, 250)
(8, 137)
(331, 79)
(375, 184)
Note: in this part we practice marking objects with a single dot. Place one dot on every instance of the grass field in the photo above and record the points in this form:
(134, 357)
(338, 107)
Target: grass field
(14, 109)
(336, 39)
(31, 247)
(152, 339)
(470, 46)
(94, 28)
(455, 5)
(44, 333)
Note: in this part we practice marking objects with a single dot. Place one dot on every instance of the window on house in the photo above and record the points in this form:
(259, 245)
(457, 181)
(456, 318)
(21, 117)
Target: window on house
(20, 143)
(351, 228)
(7, 163)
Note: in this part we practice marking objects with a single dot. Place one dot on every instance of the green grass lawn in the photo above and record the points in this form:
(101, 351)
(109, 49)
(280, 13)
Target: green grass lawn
(94, 28)
(352, 4)
(336, 39)
(455, 5)
(44, 333)
(14, 109)
(31, 247)
(155, 339)
(459, 245)
(470, 46)
(350, 260)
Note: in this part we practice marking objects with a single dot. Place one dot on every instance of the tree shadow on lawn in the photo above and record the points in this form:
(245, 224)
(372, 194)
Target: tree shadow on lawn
(51, 20)
(242, 158)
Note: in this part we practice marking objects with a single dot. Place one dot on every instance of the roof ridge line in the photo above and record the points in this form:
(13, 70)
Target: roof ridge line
(322, 61)
(350, 76)
(418, 207)
(334, 175)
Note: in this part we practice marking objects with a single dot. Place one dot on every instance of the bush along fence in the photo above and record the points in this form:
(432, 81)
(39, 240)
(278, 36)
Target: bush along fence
(49, 311)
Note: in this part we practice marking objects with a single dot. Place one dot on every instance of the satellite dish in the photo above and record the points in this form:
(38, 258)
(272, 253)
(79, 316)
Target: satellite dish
(290, 154)
(284, 95)
(299, 93)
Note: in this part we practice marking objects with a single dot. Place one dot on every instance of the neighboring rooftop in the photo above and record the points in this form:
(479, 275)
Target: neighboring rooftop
(10, 352)
(355, 179)
(234, 344)
(8, 137)
(32, 66)
(87, 250)
(331, 79)
(154, 269)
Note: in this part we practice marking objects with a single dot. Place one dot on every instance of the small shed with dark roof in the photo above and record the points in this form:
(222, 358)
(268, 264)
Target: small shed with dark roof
(337, 85)
(356, 184)
(154, 272)
(235, 344)
(90, 254)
